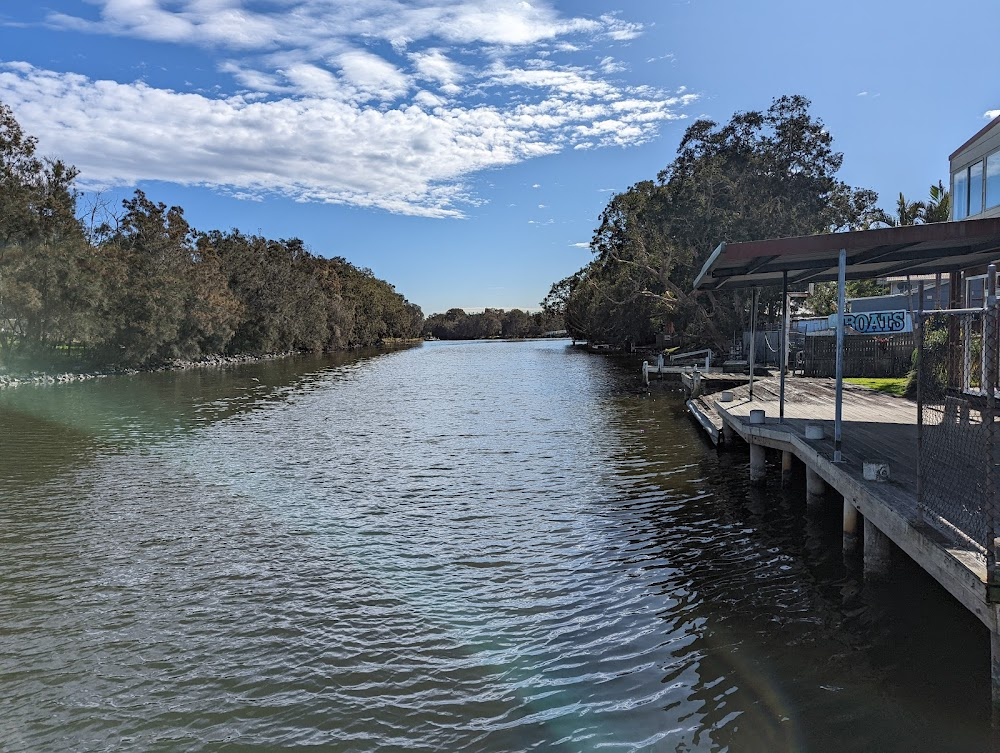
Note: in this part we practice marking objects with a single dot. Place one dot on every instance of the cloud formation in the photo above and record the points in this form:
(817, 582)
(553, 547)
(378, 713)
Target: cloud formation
(376, 103)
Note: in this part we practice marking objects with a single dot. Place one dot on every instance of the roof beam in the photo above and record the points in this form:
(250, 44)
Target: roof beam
(879, 252)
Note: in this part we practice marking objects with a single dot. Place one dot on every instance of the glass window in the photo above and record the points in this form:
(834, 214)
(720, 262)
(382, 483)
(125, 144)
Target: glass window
(993, 180)
(960, 194)
(976, 188)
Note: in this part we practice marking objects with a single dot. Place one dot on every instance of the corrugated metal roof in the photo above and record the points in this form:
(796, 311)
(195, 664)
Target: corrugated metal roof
(913, 249)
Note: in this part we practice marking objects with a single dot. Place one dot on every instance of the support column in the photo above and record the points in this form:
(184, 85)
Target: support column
(758, 459)
(815, 486)
(878, 553)
(995, 685)
(839, 398)
(850, 526)
(787, 463)
(784, 347)
(728, 435)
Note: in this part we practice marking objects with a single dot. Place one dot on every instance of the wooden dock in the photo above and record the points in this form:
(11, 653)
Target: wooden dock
(877, 428)
(695, 380)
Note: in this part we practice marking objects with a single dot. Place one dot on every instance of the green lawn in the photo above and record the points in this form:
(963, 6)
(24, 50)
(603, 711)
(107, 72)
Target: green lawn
(889, 385)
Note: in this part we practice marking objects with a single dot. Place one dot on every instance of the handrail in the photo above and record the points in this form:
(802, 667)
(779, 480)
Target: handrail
(704, 352)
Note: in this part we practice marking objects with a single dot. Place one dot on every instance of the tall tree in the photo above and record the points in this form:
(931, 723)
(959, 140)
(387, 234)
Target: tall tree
(763, 174)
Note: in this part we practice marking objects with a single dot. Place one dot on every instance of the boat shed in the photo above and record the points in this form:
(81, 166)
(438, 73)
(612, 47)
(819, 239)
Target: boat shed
(936, 248)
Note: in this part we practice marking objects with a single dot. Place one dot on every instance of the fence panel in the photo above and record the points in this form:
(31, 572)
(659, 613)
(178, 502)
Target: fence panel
(864, 356)
(957, 483)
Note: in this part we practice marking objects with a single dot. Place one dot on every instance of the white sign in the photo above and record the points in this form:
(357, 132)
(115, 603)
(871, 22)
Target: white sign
(875, 322)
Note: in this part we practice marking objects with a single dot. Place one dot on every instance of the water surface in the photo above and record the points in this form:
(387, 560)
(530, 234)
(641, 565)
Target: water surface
(463, 546)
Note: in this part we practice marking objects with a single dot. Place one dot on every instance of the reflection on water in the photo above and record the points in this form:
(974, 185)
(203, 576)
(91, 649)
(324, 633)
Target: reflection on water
(489, 546)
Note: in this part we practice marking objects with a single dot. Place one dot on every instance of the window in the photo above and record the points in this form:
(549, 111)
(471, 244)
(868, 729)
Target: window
(976, 188)
(960, 194)
(993, 180)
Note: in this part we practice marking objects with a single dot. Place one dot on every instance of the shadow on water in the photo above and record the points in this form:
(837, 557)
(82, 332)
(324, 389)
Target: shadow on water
(795, 651)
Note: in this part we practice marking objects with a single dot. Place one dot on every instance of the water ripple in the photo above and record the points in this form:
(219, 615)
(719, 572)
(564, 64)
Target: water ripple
(481, 547)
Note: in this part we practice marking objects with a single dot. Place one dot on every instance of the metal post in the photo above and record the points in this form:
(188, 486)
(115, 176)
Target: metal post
(753, 337)
(989, 383)
(919, 327)
(841, 305)
(784, 342)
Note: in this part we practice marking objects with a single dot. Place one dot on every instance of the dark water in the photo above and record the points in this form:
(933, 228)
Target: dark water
(460, 547)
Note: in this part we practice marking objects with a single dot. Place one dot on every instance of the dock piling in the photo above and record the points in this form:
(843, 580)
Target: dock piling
(995, 685)
(878, 553)
(815, 486)
(787, 459)
(850, 526)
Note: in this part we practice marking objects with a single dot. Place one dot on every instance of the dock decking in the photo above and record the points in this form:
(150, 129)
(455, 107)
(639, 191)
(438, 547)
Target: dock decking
(876, 428)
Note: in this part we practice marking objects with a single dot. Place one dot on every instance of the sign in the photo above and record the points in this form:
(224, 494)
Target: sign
(875, 322)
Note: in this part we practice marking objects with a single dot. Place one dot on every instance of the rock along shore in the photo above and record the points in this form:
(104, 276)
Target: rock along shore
(42, 378)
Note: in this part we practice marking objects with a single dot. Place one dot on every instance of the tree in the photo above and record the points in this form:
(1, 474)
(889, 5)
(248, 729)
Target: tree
(142, 287)
(938, 207)
(763, 174)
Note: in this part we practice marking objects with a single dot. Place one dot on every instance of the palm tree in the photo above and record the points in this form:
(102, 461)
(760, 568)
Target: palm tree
(938, 209)
(907, 213)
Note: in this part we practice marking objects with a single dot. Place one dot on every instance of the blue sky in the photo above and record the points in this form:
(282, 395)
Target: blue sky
(464, 150)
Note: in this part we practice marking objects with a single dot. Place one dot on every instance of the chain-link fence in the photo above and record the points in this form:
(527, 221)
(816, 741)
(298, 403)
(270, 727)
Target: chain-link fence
(956, 383)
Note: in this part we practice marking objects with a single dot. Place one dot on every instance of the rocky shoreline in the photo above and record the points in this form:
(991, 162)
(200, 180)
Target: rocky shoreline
(37, 378)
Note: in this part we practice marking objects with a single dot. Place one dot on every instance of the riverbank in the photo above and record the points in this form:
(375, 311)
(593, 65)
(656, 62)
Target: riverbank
(38, 378)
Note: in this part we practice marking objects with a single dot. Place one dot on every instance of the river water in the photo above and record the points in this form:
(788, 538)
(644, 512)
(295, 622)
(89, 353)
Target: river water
(458, 547)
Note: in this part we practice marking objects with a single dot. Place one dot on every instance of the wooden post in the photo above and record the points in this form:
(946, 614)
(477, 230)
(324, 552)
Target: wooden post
(878, 553)
(645, 373)
(758, 459)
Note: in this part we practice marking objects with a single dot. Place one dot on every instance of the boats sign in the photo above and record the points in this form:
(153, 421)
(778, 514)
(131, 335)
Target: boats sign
(875, 322)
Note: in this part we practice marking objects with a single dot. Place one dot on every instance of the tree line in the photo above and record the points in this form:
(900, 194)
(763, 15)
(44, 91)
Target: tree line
(140, 286)
(455, 324)
(764, 174)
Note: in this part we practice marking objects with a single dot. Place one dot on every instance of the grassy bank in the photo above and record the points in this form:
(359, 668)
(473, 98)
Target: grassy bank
(889, 385)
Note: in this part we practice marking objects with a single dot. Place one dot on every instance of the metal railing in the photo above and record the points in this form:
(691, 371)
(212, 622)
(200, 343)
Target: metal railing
(958, 351)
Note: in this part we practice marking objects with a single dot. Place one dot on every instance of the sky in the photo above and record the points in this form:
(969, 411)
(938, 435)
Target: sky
(464, 150)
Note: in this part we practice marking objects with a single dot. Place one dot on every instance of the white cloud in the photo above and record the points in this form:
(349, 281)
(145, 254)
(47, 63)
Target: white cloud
(990, 114)
(579, 245)
(383, 103)
(434, 66)
(610, 66)
(372, 75)
(621, 31)
(307, 22)
(313, 149)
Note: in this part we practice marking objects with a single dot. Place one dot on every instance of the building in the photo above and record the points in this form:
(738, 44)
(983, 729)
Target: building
(975, 175)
